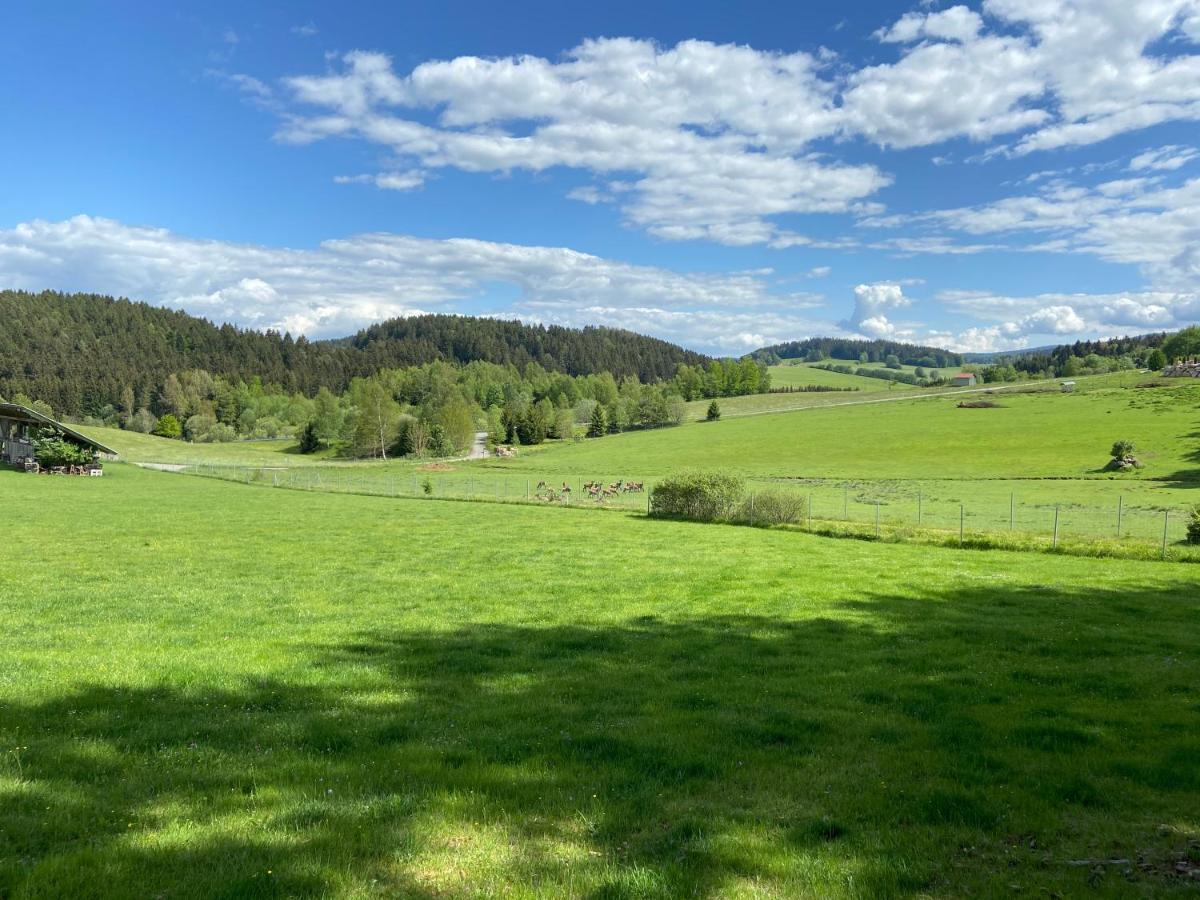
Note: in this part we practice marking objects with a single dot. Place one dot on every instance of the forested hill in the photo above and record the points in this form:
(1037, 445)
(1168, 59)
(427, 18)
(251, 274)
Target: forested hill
(818, 348)
(79, 352)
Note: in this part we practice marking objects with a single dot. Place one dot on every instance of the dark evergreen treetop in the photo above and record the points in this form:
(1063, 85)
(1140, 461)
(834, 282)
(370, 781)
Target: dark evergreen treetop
(79, 352)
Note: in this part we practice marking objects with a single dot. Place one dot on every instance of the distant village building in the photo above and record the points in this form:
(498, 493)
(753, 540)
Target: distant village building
(18, 424)
(1189, 369)
(963, 379)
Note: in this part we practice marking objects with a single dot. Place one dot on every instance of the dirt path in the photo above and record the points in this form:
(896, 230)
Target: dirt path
(479, 448)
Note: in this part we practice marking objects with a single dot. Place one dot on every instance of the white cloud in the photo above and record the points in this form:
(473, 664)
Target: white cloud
(1164, 159)
(713, 135)
(958, 23)
(306, 30)
(715, 142)
(345, 284)
(1139, 221)
(1051, 318)
(871, 301)
(819, 271)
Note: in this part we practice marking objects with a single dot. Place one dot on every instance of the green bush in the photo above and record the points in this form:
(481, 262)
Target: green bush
(714, 412)
(1193, 527)
(702, 496)
(1122, 449)
(168, 426)
(51, 449)
(772, 507)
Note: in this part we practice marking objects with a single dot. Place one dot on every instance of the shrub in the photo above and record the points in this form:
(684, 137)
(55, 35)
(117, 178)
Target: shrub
(772, 507)
(51, 449)
(1122, 449)
(714, 412)
(168, 426)
(1193, 526)
(702, 496)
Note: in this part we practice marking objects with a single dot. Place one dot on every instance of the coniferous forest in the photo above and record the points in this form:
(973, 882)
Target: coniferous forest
(82, 352)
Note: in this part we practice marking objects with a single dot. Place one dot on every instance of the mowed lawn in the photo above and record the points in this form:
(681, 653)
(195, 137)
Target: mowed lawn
(209, 689)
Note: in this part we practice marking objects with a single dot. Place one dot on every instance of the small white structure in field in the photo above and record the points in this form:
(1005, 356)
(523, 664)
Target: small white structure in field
(963, 379)
(1068, 387)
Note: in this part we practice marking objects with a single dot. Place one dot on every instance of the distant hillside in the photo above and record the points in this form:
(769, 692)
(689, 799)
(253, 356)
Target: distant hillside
(79, 352)
(849, 349)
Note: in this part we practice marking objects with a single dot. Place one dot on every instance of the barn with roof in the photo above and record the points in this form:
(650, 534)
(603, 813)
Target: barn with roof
(963, 379)
(20, 424)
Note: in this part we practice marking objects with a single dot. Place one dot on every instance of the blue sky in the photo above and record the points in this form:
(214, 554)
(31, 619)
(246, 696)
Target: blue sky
(982, 176)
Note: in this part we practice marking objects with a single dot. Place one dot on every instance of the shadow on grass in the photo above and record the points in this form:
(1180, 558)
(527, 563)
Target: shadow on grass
(1188, 478)
(897, 747)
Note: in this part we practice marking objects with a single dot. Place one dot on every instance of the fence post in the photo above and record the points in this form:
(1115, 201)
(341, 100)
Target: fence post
(1120, 509)
(1012, 504)
(876, 518)
(920, 511)
(810, 512)
(751, 509)
(962, 518)
(648, 495)
(526, 488)
(1054, 546)
(845, 502)
(1166, 516)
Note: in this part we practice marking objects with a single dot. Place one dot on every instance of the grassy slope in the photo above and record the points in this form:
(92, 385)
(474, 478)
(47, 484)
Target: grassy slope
(332, 695)
(1043, 434)
(800, 374)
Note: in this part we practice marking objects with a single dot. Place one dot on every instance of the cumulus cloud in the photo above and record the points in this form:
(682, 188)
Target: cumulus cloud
(715, 136)
(716, 141)
(871, 301)
(1055, 317)
(344, 284)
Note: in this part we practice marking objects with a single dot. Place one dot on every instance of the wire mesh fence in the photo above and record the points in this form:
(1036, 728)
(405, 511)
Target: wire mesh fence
(869, 507)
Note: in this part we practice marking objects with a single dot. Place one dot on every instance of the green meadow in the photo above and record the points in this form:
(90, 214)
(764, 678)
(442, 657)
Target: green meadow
(211, 689)
(803, 374)
(912, 459)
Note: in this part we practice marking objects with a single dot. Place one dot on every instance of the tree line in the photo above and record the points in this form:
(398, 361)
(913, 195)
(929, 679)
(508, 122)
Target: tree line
(81, 352)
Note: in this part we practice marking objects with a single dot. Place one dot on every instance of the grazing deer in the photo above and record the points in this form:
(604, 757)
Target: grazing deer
(566, 489)
(612, 490)
(593, 490)
(635, 487)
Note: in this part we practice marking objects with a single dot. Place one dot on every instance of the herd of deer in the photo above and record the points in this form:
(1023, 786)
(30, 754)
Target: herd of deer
(596, 490)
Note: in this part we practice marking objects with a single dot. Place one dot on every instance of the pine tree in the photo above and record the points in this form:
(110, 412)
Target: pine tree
(714, 412)
(598, 426)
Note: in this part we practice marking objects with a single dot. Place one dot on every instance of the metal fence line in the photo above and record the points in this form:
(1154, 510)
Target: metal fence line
(870, 506)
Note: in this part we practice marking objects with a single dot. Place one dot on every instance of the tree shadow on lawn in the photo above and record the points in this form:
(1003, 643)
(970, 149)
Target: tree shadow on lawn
(904, 746)
(1186, 478)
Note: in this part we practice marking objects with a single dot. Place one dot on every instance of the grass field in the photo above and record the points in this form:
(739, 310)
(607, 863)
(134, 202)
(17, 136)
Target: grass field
(802, 374)
(1035, 457)
(208, 689)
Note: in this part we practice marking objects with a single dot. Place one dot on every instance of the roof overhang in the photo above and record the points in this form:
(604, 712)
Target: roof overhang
(25, 414)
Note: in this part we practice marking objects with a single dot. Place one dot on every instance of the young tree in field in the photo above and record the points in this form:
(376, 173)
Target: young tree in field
(714, 412)
(892, 361)
(564, 424)
(377, 416)
(1157, 360)
(598, 425)
(309, 441)
(168, 426)
(327, 416)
